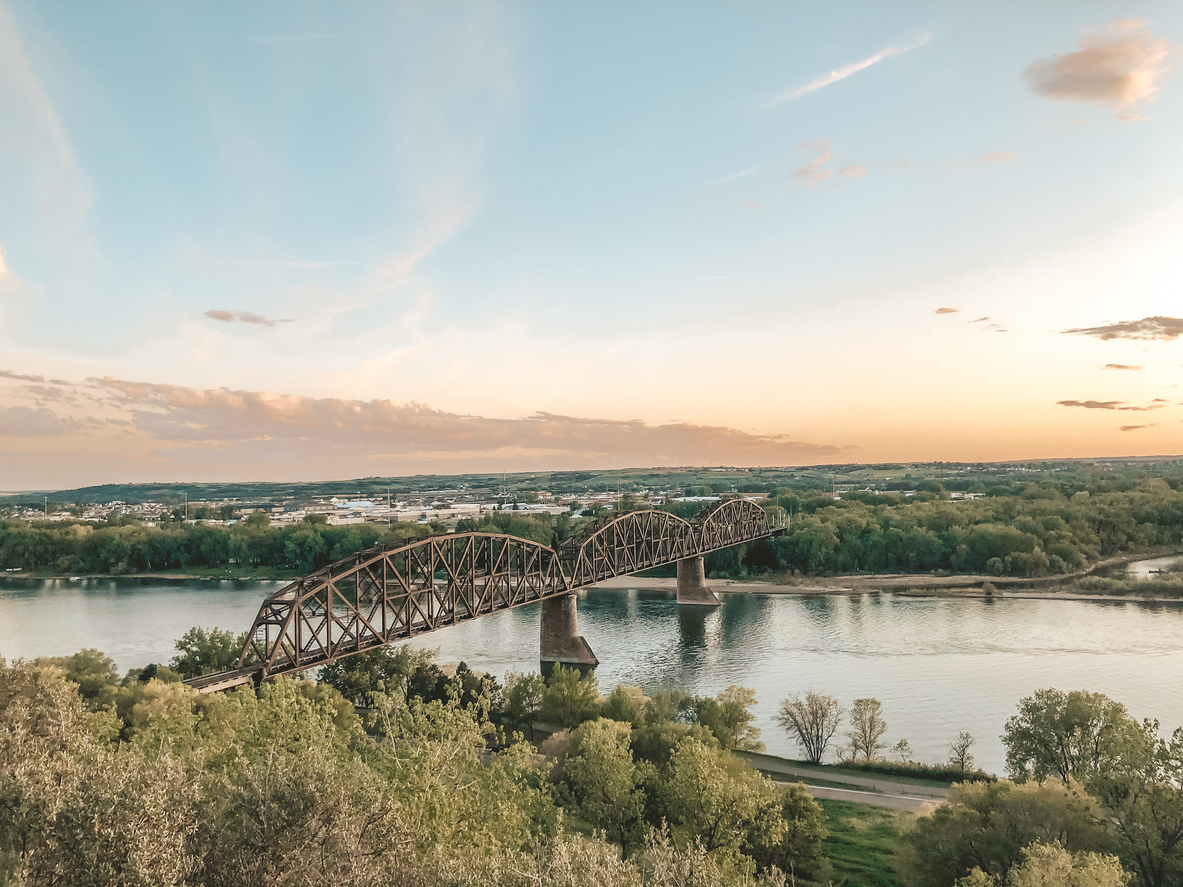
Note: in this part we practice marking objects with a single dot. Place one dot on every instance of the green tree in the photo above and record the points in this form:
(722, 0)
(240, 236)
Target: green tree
(1075, 735)
(605, 783)
(729, 716)
(1143, 796)
(800, 851)
(626, 703)
(987, 825)
(202, 652)
(1050, 865)
(571, 697)
(94, 673)
(712, 797)
(523, 696)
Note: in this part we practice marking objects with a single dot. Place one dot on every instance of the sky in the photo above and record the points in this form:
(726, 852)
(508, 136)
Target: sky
(302, 241)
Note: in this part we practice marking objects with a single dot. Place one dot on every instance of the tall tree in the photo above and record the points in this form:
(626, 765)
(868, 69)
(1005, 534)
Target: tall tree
(1075, 735)
(866, 729)
(811, 722)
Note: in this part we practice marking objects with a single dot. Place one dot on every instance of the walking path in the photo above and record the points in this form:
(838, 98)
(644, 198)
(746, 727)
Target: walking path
(874, 789)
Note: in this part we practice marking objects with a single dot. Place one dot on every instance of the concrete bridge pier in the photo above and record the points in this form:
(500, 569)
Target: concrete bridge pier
(559, 639)
(692, 584)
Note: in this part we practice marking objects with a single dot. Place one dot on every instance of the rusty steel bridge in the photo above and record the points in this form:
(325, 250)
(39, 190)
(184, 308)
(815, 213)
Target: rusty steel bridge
(392, 593)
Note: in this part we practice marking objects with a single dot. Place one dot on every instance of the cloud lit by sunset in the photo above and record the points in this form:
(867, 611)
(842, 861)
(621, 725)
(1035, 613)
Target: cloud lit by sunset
(308, 242)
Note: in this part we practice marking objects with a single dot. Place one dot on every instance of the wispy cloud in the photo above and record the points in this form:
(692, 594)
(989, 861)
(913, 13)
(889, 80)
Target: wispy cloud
(1148, 329)
(946, 311)
(243, 317)
(813, 171)
(842, 73)
(1119, 405)
(996, 157)
(1120, 366)
(25, 377)
(295, 38)
(1120, 64)
(734, 177)
(1135, 427)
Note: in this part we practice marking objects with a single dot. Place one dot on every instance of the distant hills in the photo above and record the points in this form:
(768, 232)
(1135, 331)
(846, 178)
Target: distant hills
(719, 479)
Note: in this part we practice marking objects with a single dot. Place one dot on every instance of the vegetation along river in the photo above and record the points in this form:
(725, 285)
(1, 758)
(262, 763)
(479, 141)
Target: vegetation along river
(938, 665)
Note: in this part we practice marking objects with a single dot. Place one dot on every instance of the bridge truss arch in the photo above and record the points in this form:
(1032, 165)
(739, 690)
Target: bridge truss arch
(729, 522)
(396, 592)
(626, 543)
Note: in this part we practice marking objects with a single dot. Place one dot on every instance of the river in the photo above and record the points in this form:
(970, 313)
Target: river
(938, 665)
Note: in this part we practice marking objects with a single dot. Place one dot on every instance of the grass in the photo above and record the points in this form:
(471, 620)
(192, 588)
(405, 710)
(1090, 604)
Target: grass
(862, 843)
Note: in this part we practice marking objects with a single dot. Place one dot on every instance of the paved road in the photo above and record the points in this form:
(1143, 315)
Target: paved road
(861, 789)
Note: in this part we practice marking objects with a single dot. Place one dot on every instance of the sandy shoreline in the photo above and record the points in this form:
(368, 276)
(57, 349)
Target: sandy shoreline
(918, 585)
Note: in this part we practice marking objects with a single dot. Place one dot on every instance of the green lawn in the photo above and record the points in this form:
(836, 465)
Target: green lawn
(862, 841)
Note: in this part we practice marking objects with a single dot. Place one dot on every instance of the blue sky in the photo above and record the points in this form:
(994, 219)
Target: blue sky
(699, 233)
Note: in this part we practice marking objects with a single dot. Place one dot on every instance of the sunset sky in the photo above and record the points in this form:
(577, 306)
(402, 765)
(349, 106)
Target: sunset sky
(281, 241)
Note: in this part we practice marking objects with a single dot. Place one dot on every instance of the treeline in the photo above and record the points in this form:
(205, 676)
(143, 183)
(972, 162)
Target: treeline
(123, 545)
(1031, 530)
(1038, 531)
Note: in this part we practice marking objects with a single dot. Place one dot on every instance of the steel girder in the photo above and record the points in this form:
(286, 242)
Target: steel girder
(389, 594)
(393, 593)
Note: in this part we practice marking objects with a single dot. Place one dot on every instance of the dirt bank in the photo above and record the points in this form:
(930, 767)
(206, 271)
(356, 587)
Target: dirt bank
(918, 584)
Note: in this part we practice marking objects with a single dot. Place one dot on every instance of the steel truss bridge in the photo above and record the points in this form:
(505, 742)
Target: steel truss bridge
(397, 592)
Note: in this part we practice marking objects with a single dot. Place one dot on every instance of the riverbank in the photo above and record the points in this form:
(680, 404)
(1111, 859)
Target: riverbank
(260, 574)
(1059, 587)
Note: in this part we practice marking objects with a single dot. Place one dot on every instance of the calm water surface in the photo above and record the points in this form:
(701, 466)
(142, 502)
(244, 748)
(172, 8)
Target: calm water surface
(939, 666)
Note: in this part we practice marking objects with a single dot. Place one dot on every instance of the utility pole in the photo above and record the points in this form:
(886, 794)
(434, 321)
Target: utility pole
(47, 506)
(186, 505)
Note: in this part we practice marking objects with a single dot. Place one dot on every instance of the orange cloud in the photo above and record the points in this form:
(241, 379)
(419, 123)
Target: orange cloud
(1119, 65)
(813, 170)
(1109, 405)
(22, 377)
(1119, 366)
(946, 311)
(381, 428)
(28, 422)
(243, 316)
(1159, 329)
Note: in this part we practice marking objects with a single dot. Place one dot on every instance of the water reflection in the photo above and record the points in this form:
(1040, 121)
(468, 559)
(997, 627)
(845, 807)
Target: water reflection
(939, 665)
